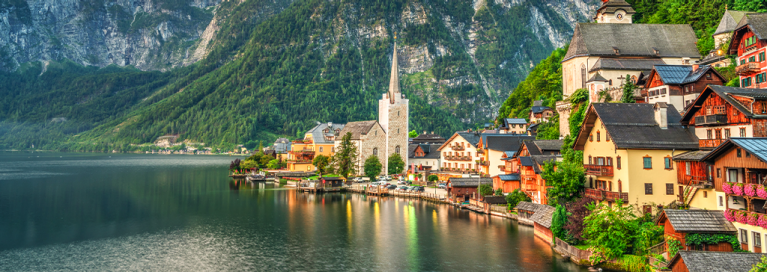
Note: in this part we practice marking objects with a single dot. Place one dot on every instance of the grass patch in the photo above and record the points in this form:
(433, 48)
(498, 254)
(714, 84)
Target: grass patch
(283, 181)
(327, 176)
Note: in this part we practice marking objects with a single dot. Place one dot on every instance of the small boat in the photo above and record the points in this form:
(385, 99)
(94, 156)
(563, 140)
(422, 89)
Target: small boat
(256, 177)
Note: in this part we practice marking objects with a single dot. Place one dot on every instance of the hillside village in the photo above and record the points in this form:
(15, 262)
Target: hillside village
(647, 128)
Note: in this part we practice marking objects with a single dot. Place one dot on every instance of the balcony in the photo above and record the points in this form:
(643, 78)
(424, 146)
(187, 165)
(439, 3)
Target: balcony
(614, 196)
(595, 194)
(710, 143)
(599, 170)
(457, 147)
(713, 119)
(458, 158)
(483, 162)
(299, 161)
(700, 182)
(748, 68)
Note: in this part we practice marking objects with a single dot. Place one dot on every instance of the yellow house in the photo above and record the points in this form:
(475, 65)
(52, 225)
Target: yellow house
(319, 140)
(459, 154)
(492, 147)
(628, 152)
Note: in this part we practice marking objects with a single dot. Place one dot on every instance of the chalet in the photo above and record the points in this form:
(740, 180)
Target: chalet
(741, 171)
(458, 154)
(423, 158)
(749, 42)
(710, 261)
(540, 113)
(722, 112)
(529, 161)
(513, 126)
(429, 138)
(695, 180)
(462, 189)
(680, 223)
(722, 36)
(679, 85)
(614, 47)
(317, 141)
(493, 147)
(628, 152)
(282, 145)
(542, 223)
(490, 202)
(507, 183)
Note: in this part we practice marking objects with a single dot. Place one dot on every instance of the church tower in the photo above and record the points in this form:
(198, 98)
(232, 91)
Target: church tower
(393, 112)
(615, 12)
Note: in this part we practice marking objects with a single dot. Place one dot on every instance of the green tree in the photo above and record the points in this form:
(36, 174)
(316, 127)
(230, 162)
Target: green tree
(609, 230)
(751, 5)
(628, 91)
(344, 161)
(273, 164)
(412, 134)
(566, 182)
(515, 197)
(485, 189)
(499, 192)
(433, 178)
(396, 164)
(558, 222)
(321, 162)
(372, 167)
(248, 164)
(761, 266)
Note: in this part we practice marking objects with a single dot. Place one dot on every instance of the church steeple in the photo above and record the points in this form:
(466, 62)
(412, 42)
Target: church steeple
(394, 79)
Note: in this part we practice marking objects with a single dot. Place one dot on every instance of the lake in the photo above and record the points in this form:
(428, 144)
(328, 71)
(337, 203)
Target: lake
(71, 211)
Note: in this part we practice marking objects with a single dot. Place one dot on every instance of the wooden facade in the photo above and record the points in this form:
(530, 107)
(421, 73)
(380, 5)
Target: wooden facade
(543, 232)
(668, 230)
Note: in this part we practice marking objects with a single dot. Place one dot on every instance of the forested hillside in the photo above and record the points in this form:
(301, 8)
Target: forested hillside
(316, 60)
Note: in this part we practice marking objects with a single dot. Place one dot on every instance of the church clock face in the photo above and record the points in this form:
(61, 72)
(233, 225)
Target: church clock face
(619, 16)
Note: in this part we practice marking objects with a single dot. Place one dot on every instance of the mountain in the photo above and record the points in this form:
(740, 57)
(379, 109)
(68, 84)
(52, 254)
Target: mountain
(266, 68)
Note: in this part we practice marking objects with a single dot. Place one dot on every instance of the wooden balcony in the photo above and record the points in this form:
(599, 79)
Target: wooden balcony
(600, 195)
(710, 143)
(613, 196)
(748, 68)
(457, 147)
(713, 119)
(599, 170)
(594, 194)
(483, 163)
(299, 161)
(458, 158)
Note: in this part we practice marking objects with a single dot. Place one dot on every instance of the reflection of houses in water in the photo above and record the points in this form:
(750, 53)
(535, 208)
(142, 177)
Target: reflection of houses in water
(242, 184)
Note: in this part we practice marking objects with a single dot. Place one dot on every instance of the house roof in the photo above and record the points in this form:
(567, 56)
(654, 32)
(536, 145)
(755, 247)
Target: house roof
(504, 142)
(431, 138)
(282, 141)
(597, 77)
(543, 215)
(593, 39)
(468, 182)
(543, 159)
(510, 154)
(526, 161)
(539, 109)
(695, 155)
(472, 137)
(633, 126)
(624, 64)
(529, 206)
(727, 93)
(680, 74)
(730, 21)
(318, 134)
(757, 22)
(514, 121)
(549, 145)
(698, 221)
(495, 200)
(754, 146)
(427, 150)
(717, 261)
(509, 177)
(358, 128)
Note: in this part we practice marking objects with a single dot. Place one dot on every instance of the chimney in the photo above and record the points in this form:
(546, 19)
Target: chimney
(661, 114)
(432, 132)
(469, 130)
(424, 132)
(695, 67)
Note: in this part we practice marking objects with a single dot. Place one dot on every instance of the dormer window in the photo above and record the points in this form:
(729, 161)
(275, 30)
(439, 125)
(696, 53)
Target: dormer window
(656, 51)
(616, 51)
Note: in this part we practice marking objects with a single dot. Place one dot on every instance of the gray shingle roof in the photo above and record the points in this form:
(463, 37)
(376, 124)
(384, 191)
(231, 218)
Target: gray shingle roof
(529, 206)
(696, 155)
(633, 126)
(596, 77)
(471, 137)
(505, 142)
(358, 128)
(592, 39)
(730, 21)
(625, 64)
(509, 177)
(525, 161)
(699, 221)
(717, 261)
(543, 215)
(429, 138)
(515, 121)
(495, 200)
(543, 159)
(318, 132)
(549, 145)
(427, 150)
(510, 154)
(539, 109)
(757, 22)
(468, 182)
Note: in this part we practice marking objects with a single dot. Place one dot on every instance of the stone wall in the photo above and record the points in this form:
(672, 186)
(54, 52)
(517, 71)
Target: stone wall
(374, 139)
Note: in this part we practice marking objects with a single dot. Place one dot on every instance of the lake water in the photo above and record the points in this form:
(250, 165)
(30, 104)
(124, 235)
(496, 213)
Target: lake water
(64, 211)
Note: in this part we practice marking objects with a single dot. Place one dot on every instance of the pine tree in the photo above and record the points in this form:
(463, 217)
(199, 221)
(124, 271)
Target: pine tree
(628, 91)
(345, 159)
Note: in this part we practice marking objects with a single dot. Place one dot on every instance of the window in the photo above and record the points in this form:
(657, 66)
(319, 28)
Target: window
(591, 137)
(761, 56)
(726, 133)
(667, 162)
(320, 149)
(744, 237)
(375, 151)
(708, 134)
(738, 152)
(752, 59)
(396, 150)
(721, 201)
(748, 154)
(732, 175)
(590, 159)
(708, 76)
(648, 188)
(718, 133)
(583, 76)
(718, 172)
(669, 189)
(609, 161)
(742, 132)
(757, 241)
(705, 194)
(687, 168)
(647, 162)
(607, 136)
(598, 133)
(333, 149)
(618, 162)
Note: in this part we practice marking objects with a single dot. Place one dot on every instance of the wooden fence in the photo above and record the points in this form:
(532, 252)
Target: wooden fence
(575, 253)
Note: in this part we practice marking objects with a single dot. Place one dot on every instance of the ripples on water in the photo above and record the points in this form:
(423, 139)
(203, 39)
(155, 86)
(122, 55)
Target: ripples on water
(181, 213)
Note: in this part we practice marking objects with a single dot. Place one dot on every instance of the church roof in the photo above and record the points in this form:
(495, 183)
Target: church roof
(730, 21)
(394, 78)
(643, 40)
(358, 128)
(625, 64)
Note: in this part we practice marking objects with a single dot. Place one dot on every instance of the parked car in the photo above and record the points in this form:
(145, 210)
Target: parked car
(401, 182)
(442, 185)
(402, 188)
(391, 187)
(418, 189)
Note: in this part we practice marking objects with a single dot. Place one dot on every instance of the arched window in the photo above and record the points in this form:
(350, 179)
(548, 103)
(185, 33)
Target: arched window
(584, 74)
(375, 151)
(589, 159)
(396, 150)
(320, 149)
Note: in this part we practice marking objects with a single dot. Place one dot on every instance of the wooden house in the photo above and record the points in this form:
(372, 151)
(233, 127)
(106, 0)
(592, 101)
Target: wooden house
(679, 85)
(542, 223)
(531, 158)
(492, 148)
(713, 261)
(694, 180)
(513, 126)
(680, 223)
(540, 113)
(748, 44)
(526, 210)
(463, 189)
(489, 201)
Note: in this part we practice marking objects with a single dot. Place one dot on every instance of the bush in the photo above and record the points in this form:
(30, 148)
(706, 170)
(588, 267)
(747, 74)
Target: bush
(515, 197)
(609, 230)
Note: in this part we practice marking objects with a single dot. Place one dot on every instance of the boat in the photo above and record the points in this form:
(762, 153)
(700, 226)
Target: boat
(256, 177)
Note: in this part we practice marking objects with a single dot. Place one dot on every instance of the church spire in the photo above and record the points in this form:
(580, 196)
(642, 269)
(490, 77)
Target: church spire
(394, 79)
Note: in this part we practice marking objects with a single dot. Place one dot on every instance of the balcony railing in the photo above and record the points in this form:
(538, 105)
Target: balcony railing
(701, 182)
(483, 163)
(299, 161)
(457, 147)
(751, 67)
(458, 158)
(710, 143)
(599, 170)
(711, 119)
(613, 196)
(594, 194)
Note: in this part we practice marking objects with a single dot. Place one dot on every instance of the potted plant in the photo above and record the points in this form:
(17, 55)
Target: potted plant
(760, 191)
(737, 189)
(740, 217)
(727, 187)
(762, 221)
(749, 189)
(752, 219)
(729, 215)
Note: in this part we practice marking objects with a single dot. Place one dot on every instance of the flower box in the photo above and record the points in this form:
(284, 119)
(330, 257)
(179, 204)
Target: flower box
(727, 187)
(737, 189)
(740, 217)
(752, 219)
(762, 221)
(749, 189)
(760, 191)
(729, 215)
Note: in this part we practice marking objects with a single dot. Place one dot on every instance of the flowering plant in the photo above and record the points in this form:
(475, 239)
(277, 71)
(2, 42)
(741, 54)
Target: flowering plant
(762, 221)
(727, 188)
(760, 191)
(752, 219)
(729, 215)
(750, 189)
(740, 217)
(737, 189)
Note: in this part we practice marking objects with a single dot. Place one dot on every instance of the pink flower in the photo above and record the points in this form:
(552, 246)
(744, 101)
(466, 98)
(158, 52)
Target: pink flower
(752, 219)
(727, 188)
(740, 217)
(737, 189)
(762, 221)
(760, 191)
(750, 189)
(728, 214)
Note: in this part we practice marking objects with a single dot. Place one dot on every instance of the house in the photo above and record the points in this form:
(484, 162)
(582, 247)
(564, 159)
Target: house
(542, 223)
(370, 139)
(749, 42)
(695, 180)
(722, 112)
(526, 210)
(532, 130)
(458, 154)
(507, 183)
(491, 149)
(616, 48)
(462, 189)
(423, 158)
(740, 166)
(680, 223)
(713, 261)
(628, 152)
(513, 126)
(717, 57)
(282, 145)
(318, 140)
(488, 203)
(530, 159)
(332, 181)
(540, 113)
(680, 85)
(428, 138)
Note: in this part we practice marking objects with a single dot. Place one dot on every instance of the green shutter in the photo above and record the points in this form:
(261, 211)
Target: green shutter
(647, 163)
